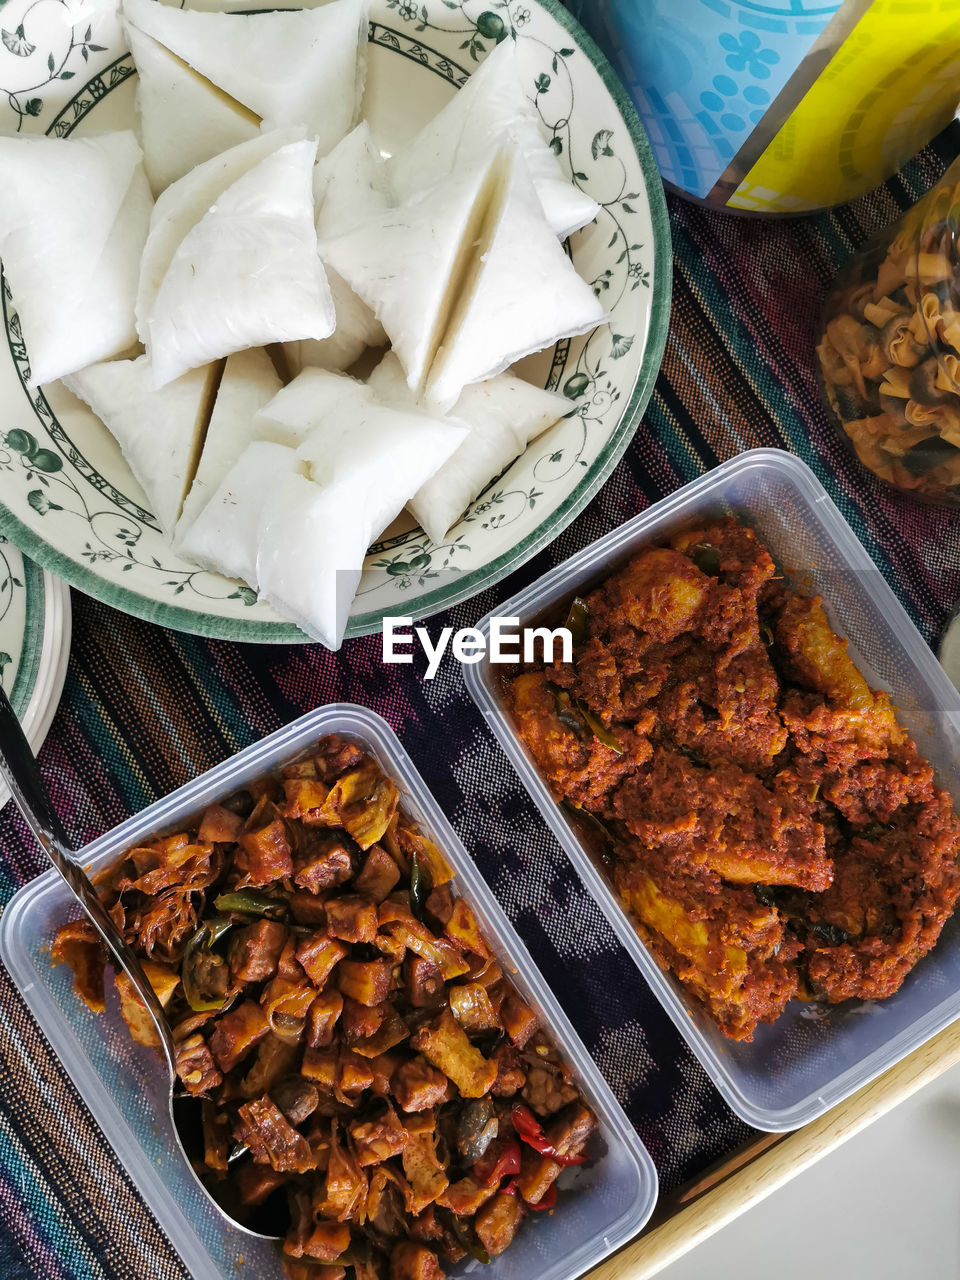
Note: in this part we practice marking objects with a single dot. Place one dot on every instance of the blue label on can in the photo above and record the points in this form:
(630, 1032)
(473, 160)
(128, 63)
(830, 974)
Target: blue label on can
(703, 73)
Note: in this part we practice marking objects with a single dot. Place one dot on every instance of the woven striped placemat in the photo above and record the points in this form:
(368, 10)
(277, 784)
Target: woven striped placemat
(146, 709)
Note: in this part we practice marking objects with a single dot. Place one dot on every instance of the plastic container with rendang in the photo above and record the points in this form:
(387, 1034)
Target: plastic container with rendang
(814, 1055)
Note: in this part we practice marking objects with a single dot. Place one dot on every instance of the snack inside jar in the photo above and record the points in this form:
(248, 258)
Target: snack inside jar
(889, 355)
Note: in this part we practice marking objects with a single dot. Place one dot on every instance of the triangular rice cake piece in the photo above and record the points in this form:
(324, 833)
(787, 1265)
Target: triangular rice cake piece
(184, 119)
(365, 461)
(502, 415)
(357, 329)
(490, 109)
(408, 263)
(349, 184)
(249, 382)
(225, 536)
(247, 274)
(313, 397)
(287, 67)
(523, 293)
(310, 557)
(74, 214)
(159, 432)
(184, 203)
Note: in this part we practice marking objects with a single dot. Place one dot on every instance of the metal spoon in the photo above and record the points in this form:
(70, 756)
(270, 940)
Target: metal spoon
(20, 771)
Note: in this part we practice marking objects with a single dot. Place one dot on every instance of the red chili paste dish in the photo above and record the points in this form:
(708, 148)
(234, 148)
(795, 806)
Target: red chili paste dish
(770, 827)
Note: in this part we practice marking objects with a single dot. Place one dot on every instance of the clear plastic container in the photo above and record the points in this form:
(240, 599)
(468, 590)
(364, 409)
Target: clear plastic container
(609, 1200)
(814, 1055)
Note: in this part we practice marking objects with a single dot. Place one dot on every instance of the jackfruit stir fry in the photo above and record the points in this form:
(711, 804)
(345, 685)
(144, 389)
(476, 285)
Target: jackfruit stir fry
(770, 827)
(364, 1067)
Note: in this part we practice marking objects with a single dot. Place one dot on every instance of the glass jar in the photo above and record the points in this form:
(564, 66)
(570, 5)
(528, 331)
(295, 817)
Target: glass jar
(889, 353)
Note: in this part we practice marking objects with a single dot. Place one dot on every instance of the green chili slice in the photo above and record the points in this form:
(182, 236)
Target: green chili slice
(580, 720)
(419, 888)
(590, 820)
(599, 729)
(707, 558)
(567, 714)
(249, 902)
(577, 621)
(465, 1237)
(831, 934)
(765, 895)
(203, 941)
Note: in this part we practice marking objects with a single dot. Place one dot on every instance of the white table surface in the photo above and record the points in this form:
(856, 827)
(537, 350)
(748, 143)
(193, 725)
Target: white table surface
(884, 1206)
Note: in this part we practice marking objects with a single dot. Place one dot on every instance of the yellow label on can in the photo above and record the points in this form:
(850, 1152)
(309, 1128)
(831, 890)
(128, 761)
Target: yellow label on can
(892, 84)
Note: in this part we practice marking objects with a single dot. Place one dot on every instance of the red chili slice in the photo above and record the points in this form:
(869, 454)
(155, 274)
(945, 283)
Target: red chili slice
(500, 1160)
(530, 1131)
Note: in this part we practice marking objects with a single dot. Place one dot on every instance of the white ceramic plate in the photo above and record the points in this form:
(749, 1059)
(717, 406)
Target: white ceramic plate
(22, 625)
(34, 643)
(69, 500)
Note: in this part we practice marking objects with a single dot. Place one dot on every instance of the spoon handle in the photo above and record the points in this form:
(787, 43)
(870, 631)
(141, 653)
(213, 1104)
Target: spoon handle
(20, 771)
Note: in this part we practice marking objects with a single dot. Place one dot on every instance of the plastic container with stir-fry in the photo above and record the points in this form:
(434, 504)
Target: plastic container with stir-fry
(601, 1202)
(815, 1054)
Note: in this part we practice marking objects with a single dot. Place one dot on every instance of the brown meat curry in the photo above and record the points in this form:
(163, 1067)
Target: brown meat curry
(767, 823)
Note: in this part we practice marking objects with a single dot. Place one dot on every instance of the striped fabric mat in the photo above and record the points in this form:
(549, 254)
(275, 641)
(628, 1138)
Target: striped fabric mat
(146, 709)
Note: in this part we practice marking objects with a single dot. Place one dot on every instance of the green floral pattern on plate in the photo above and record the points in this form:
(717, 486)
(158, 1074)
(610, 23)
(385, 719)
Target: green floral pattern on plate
(69, 501)
(22, 612)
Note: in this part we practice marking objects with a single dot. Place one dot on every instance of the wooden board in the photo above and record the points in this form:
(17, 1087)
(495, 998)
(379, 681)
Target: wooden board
(687, 1216)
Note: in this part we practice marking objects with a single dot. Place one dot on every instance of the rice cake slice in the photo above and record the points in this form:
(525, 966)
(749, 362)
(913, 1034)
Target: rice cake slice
(364, 462)
(184, 119)
(349, 184)
(408, 263)
(247, 274)
(313, 396)
(74, 214)
(522, 293)
(181, 206)
(160, 432)
(290, 67)
(249, 382)
(225, 535)
(488, 110)
(502, 416)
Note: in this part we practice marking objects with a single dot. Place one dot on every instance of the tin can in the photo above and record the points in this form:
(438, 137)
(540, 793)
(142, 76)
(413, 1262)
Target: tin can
(783, 106)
